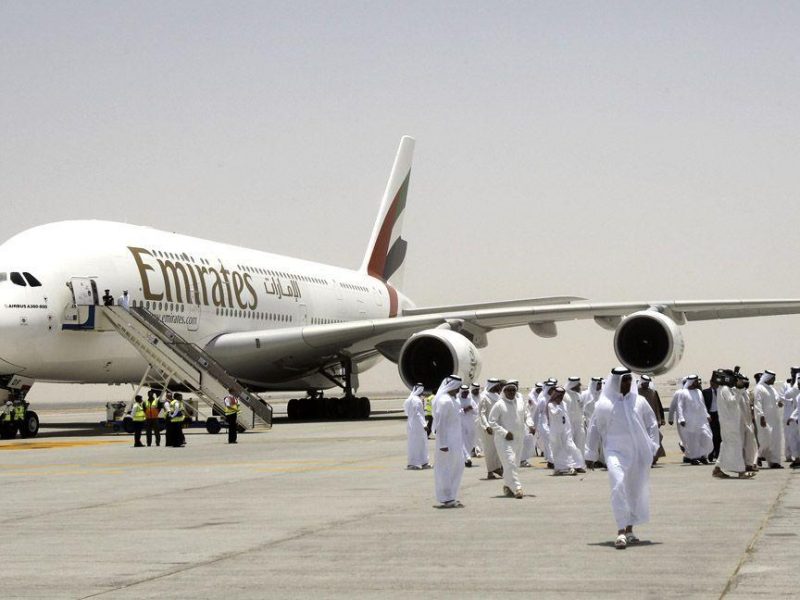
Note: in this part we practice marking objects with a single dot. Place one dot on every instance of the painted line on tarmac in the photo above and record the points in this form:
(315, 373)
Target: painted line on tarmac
(49, 445)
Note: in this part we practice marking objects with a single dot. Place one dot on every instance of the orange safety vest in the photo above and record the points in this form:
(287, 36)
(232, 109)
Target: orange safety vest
(151, 408)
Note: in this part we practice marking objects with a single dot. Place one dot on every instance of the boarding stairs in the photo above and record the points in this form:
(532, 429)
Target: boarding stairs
(185, 363)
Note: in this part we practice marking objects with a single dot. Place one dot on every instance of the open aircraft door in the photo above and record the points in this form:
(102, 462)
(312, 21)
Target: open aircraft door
(80, 312)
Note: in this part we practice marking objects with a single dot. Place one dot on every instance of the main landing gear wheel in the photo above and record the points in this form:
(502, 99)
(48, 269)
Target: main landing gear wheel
(317, 407)
(30, 425)
(213, 425)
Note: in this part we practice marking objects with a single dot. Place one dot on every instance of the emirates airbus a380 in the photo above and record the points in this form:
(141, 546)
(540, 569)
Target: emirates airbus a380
(281, 323)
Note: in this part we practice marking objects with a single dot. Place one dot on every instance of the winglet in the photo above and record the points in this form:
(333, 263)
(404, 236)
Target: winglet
(386, 252)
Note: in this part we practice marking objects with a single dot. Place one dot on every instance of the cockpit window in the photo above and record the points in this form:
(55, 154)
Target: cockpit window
(17, 279)
(32, 281)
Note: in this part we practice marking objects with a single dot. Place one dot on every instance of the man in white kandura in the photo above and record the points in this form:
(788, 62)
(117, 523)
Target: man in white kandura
(793, 424)
(509, 418)
(475, 397)
(490, 395)
(567, 459)
(731, 451)
(574, 405)
(417, 436)
(540, 420)
(790, 395)
(448, 467)
(747, 426)
(589, 399)
(769, 420)
(694, 422)
(625, 427)
(468, 410)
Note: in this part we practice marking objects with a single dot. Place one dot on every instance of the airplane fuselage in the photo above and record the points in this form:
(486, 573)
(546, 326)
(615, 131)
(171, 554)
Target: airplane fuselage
(200, 288)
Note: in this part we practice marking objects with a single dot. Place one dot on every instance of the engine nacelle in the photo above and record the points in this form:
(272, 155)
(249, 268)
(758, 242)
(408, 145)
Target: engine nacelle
(648, 342)
(429, 356)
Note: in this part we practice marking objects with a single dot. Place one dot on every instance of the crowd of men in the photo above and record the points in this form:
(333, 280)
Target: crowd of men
(613, 424)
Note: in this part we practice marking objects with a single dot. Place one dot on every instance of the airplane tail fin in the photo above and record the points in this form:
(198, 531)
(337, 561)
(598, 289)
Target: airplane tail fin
(386, 253)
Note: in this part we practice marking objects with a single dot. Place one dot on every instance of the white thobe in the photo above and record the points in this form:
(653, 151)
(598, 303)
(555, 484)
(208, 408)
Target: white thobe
(627, 431)
(565, 453)
(542, 432)
(769, 436)
(731, 451)
(449, 465)
(790, 433)
(468, 409)
(574, 406)
(589, 401)
(697, 438)
(673, 408)
(476, 439)
(487, 439)
(417, 436)
(509, 416)
(529, 440)
(795, 426)
(747, 427)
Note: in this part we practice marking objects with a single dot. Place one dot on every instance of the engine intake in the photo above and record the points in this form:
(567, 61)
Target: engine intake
(429, 356)
(648, 342)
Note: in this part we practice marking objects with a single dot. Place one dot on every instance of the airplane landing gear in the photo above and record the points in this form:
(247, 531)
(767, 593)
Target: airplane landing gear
(317, 407)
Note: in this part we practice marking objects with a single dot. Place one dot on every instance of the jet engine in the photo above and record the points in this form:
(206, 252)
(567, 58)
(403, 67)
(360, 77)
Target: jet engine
(429, 356)
(648, 342)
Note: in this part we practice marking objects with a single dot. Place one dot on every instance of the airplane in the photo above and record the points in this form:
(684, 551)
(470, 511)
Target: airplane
(278, 323)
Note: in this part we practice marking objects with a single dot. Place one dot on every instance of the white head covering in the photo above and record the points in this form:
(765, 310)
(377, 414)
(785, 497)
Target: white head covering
(418, 389)
(645, 381)
(768, 378)
(689, 380)
(449, 383)
(611, 387)
(572, 383)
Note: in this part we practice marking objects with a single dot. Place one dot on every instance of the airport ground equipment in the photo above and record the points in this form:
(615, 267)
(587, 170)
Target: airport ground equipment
(183, 364)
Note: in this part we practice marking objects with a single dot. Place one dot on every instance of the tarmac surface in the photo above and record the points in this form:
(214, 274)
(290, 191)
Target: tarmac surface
(327, 510)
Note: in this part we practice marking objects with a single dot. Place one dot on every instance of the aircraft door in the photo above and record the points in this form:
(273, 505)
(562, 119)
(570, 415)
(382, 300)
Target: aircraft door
(84, 291)
(303, 315)
(193, 310)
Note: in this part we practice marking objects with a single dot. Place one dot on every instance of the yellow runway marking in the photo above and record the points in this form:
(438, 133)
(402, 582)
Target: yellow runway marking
(48, 445)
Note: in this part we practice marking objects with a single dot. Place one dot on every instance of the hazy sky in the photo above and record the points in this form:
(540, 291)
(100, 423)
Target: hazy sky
(616, 150)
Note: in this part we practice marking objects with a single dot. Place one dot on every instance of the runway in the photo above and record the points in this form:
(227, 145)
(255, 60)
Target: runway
(327, 510)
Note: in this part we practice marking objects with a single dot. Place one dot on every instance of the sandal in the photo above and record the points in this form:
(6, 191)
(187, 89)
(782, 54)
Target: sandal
(622, 542)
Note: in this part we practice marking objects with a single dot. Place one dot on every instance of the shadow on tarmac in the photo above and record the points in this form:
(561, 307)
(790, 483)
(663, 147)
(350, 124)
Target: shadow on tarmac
(611, 544)
(72, 430)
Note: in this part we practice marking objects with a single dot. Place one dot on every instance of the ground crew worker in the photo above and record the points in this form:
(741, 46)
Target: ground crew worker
(138, 415)
(19, 417)
(231, 414)
(7, 428)
(170, 430)
(428, 402)
(178, 416)
(152, 408)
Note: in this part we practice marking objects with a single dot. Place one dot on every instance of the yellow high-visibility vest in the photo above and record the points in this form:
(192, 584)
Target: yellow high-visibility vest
(137, 412)
(177, 405)
(234, 405)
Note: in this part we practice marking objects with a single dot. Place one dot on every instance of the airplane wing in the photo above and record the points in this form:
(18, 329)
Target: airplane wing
(303, 347)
